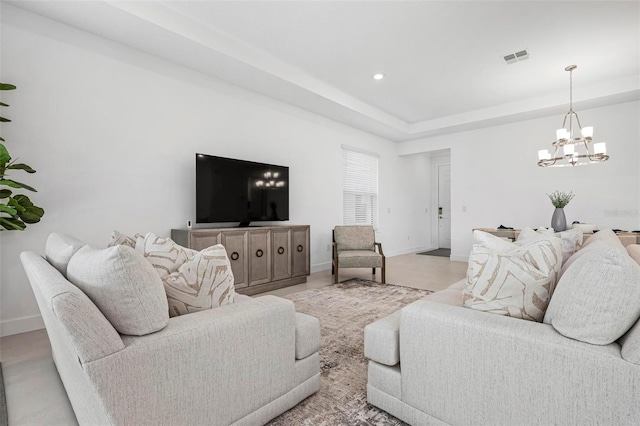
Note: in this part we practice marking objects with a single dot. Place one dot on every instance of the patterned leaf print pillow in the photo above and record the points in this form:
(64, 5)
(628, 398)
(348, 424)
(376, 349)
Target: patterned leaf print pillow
(204, 281)
(163, 253)
(514, 280)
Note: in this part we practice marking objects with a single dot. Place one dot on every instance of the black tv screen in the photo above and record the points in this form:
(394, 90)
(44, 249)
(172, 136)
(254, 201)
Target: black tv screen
(229, 190)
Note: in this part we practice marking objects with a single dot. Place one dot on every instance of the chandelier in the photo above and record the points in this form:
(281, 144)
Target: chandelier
(572, 146)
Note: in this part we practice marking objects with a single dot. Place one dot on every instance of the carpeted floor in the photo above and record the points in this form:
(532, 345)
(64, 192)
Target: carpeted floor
(442, 252)
(344, 310)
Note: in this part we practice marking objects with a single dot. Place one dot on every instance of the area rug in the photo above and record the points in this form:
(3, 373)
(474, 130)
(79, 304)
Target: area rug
(344, 310)
(442, 252)
(4, 420)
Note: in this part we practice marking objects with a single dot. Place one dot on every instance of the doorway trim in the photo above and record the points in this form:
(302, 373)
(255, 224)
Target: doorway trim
(442, 158)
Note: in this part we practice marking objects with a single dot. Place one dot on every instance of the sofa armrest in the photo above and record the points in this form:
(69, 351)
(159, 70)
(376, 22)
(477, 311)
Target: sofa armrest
(465, 366)
(221, 364)
(382, 340)
(307, 335)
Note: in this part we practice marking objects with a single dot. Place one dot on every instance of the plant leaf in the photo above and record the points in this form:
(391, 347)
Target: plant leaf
(5, 193)
(14, 184)
(6, 209)
(4, 156)
(12, 224)
(4, 120)
(21, 166)
(16, 204)
(31, 213)
(7, 86)
(2, 139)
(3, 104)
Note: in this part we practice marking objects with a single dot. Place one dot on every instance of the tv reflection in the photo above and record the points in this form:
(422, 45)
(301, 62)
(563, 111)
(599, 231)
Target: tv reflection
(266, 194)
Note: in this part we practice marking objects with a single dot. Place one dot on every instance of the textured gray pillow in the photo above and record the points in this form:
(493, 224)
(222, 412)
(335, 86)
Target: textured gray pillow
(59, 249)
(598, 297)
(124, 286)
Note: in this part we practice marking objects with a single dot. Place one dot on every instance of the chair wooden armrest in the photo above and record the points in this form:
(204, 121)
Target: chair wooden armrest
(379, 245)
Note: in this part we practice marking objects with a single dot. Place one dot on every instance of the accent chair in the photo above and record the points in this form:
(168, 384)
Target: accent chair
(354, 246)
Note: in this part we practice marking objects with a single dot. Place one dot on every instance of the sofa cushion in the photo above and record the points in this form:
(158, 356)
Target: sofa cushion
(515, 280)
(203, 281)
(634, 252)
(59, 249)
(606, 236)
(597, 299)
(124, 286)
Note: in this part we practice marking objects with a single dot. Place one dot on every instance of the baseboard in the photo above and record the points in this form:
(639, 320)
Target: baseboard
(406, 251)
(320, 267)
(21, 325)
(459, 258)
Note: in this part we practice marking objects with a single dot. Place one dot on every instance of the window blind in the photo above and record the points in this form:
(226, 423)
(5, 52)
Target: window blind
(359, 188)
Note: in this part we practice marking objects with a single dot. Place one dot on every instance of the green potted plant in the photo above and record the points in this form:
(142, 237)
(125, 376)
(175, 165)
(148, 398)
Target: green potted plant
(16, 209)
(559, 201)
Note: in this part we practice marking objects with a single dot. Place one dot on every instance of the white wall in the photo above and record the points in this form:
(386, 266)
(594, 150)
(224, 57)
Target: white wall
(495, 176)
(112, 133)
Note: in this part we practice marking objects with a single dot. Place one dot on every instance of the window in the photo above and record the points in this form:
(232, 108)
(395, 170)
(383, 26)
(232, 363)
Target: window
(359, 188)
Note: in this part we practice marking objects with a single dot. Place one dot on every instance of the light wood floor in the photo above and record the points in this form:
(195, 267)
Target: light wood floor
(35, 395)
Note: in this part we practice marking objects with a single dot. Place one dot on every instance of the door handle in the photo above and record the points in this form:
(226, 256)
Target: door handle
(440, 210)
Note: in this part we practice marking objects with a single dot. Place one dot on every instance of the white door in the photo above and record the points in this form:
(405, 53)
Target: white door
(444, 206)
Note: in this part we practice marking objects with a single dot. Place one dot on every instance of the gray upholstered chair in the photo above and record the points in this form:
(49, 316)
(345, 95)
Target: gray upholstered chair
(355, 247)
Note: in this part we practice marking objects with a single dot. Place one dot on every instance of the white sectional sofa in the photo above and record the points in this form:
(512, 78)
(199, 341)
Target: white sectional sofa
(437, 362)
(243, 363)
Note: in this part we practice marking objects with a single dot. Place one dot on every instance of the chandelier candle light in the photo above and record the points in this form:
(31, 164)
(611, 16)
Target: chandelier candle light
(571, 148)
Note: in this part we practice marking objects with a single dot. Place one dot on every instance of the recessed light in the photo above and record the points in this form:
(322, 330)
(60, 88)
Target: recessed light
(378, 76)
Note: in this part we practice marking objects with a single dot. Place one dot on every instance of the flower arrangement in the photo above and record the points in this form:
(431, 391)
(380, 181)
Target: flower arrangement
(560, 199)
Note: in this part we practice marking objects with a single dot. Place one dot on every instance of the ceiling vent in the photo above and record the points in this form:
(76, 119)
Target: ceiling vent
(512, 58)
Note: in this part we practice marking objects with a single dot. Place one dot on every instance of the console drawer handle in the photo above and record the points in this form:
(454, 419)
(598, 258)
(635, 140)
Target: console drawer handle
(259, 253)
(235, 255)
(280, 250)
(300, 248)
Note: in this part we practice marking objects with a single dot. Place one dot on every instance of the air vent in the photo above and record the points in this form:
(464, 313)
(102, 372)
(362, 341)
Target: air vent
(512, 58)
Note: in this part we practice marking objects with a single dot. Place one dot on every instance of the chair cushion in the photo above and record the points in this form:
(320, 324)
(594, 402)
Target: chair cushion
(354, 237)
(59, 249)
(598, 298)
(359, 259)
(124, 286)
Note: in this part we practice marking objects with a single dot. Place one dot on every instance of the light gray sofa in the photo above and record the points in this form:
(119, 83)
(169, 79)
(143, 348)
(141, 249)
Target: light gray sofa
(242, 364)
(436, 362)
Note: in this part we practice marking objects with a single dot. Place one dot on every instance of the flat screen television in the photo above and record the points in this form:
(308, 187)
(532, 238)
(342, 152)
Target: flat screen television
(230, 190)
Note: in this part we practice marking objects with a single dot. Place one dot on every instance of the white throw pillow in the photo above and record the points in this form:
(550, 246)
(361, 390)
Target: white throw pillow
(59, 249)
(513, 279)
(607, 236)
(203, 281)
(124, 286)
(598, 297)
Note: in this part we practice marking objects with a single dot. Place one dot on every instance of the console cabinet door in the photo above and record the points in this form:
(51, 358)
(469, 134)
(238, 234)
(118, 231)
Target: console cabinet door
(300, 251)
(281, 253)
(235, 242)
(203, 239)
(259, 256)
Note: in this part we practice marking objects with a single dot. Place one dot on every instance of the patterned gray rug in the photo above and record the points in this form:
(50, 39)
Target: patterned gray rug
(344, 310)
